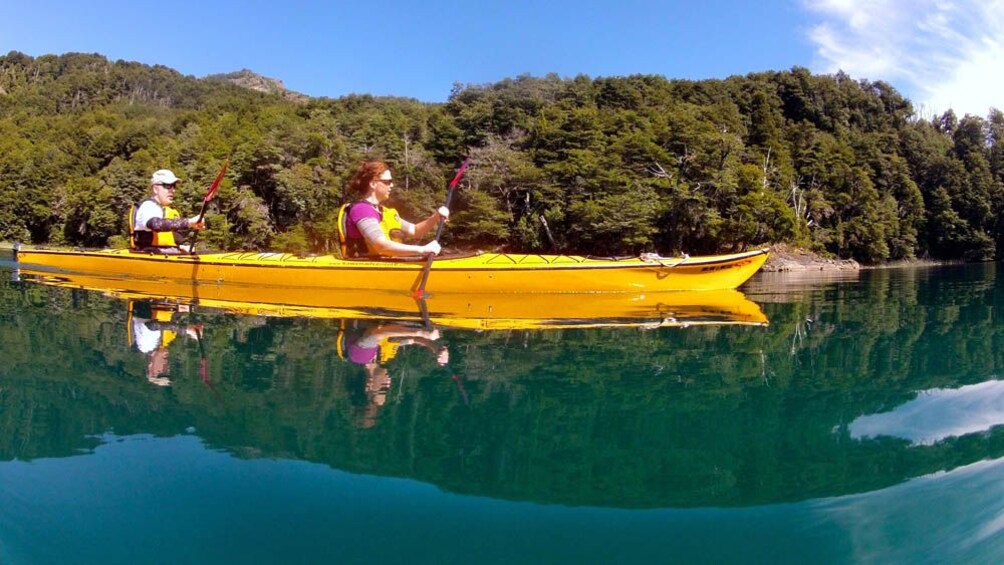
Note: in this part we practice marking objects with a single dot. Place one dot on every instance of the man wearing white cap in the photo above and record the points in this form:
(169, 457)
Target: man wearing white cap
(154, 221)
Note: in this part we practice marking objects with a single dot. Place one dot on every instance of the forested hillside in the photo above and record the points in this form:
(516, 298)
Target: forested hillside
(614, 165)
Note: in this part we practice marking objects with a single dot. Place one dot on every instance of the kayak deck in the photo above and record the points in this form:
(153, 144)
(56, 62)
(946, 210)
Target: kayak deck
(487, 272)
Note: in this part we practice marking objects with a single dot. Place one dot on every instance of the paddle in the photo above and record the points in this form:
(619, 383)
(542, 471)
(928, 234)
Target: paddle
(210, 194)
(204, 363)
(460, 387)
(203, 360)
(427, 321)
(420, 291)
(547, 231)
(423, 309)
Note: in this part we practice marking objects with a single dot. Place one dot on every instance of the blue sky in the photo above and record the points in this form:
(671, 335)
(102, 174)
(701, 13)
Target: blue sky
(938, 53)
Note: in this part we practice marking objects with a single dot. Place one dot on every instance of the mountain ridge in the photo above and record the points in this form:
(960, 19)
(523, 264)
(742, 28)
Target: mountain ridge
(246, 78)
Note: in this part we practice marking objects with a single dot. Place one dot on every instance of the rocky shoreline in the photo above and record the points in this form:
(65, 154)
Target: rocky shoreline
(785, 259)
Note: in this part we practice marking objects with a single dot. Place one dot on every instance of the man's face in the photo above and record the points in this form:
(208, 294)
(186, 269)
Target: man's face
(164, 193)
(156, 367)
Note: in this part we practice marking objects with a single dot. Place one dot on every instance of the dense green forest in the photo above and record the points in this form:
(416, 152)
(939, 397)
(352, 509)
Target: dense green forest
(615, 165)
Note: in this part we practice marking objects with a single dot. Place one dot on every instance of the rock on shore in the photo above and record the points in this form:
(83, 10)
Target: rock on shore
(788, 259)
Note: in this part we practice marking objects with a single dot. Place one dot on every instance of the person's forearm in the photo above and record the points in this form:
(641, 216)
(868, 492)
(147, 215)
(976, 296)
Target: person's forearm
(378, 243)
(385, 246)
(160, 224)
(426, 225)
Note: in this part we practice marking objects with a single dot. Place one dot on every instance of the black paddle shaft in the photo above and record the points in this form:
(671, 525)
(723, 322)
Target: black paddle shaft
(420, 291)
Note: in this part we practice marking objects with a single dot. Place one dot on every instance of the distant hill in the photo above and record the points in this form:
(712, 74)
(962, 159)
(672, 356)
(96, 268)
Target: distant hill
(246, 78)
(75, 82)
(78, 81)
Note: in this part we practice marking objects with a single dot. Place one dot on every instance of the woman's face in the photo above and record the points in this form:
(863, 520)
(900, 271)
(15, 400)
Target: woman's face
(382, 186)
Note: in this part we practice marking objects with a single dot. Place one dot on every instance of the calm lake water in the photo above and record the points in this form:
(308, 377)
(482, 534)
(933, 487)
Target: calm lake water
(863, 424)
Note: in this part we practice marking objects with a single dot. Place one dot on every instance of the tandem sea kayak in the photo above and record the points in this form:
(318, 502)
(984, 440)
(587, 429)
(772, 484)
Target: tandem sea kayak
(480, 273)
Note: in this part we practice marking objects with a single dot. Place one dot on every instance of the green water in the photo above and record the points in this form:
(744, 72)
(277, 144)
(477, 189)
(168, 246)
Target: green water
(861, 425)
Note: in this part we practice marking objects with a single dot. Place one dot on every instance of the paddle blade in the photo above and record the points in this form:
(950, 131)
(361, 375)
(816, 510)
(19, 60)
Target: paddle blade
(216, 182)
(460, 173)
(420, 295)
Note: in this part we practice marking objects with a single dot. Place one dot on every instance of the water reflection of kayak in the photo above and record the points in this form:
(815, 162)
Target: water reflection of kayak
(461, 310)
(483, 272)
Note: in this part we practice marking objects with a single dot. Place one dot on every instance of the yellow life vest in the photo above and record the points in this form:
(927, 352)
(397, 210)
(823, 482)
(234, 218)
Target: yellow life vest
(159, 238)
(388, 349)
(165, 316)
(166, 238)
(166, 337)
(390, 225)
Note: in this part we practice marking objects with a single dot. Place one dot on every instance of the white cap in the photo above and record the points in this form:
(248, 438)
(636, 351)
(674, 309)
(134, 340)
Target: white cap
(163, 176)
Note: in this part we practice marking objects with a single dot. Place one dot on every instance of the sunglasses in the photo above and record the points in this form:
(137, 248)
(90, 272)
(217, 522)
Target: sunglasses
(169, 186)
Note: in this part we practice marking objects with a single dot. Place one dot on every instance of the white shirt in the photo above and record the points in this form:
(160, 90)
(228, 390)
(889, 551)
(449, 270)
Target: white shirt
(147, 211)
(146, 340)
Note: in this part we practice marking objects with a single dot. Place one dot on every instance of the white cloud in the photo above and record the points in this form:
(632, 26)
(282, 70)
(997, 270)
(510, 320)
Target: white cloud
(939, 53)
(938, 414)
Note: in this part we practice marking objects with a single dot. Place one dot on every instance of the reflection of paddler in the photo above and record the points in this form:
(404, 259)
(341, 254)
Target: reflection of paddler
(372, 347)
(377, 345)
(152, 329)
(152, 326)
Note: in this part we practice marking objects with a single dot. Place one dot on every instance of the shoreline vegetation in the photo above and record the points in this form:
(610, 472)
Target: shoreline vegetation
(608, 166)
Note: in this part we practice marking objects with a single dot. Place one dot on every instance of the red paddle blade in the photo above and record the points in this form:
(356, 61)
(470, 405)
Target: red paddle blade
(216, 182)
(460, 173)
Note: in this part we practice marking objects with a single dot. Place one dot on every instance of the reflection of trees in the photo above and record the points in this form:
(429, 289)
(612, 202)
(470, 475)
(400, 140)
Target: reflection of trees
(701, 416)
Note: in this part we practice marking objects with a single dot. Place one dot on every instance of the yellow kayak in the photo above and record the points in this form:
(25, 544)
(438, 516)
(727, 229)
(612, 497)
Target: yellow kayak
(482, 273)
(479, 311)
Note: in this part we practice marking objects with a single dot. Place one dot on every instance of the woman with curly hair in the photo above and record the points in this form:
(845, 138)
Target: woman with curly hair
(371, 229)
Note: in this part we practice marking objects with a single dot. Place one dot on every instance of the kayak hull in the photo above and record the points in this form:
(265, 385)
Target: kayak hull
(483, 273)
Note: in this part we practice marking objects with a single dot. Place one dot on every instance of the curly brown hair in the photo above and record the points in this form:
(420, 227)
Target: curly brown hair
(365, 174)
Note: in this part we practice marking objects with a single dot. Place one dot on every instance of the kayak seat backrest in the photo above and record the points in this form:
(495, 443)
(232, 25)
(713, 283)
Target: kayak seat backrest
(131, 223)
(343, 238)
